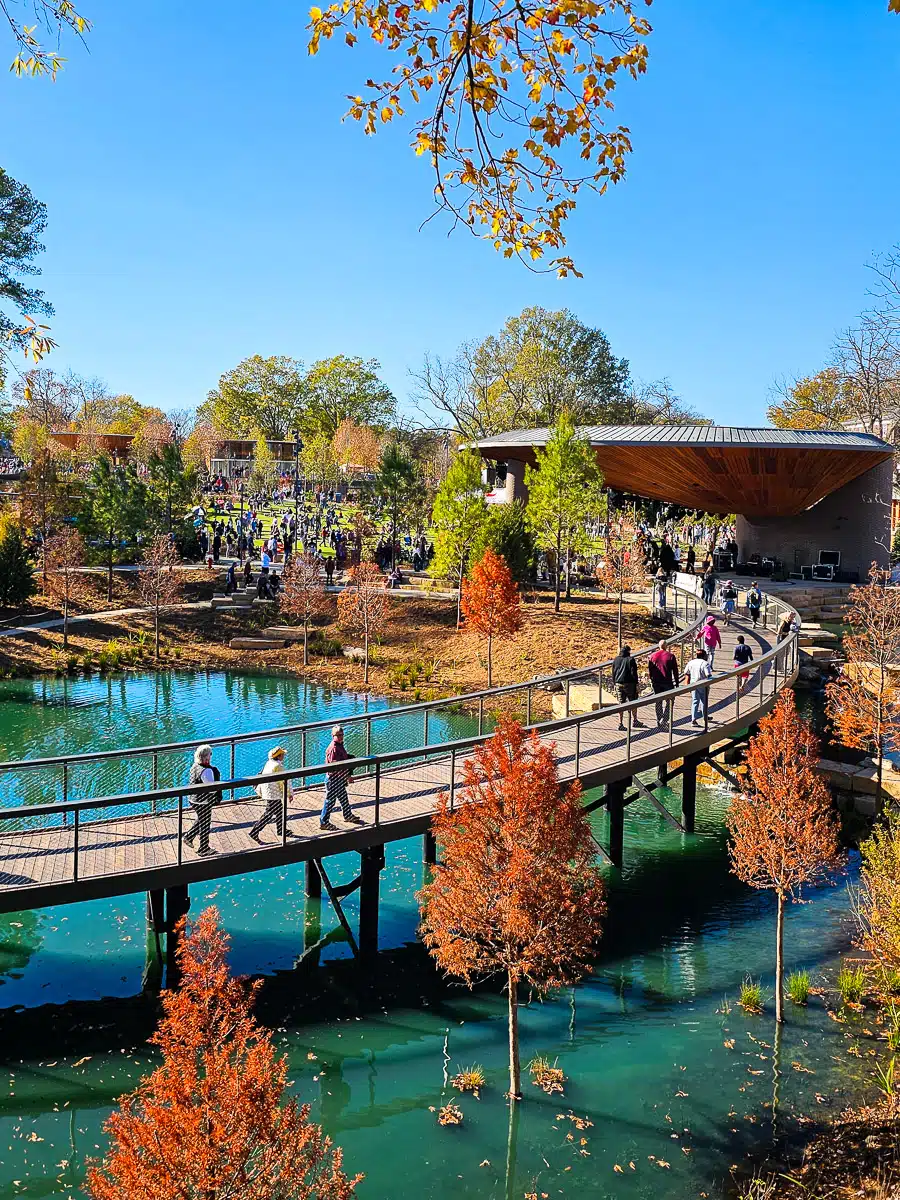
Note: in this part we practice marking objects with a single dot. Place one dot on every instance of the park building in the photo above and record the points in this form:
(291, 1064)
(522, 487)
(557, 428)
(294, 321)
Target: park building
(811, 504)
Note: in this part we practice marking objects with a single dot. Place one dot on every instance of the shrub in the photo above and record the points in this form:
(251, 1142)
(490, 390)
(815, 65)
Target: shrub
(851, 984)
(548, 1076)
(16, 575)
(798, 987)
(469, 1079)
(506, 533)
(325, 647)
(751, 995)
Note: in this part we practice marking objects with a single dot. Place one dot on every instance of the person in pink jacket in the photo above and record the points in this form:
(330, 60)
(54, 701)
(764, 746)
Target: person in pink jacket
(710, 639)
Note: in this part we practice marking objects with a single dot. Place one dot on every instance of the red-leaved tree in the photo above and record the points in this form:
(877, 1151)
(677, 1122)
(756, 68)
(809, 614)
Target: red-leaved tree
(303, 593)
(491, 602)
(210, 1122)
(517, 892)
(784, 832)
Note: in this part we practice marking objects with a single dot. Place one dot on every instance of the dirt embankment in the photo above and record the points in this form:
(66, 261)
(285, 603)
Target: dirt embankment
(419, 655)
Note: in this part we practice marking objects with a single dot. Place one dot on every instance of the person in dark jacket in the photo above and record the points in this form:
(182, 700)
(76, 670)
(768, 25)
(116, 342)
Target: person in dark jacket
(202, 771)
(625, 679)
(662, 667)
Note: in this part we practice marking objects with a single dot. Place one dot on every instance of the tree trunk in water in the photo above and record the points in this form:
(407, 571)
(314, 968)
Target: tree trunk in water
(511, 1141)
(776, 1080)
(515, 1092)
(489, 663)
(779, 961)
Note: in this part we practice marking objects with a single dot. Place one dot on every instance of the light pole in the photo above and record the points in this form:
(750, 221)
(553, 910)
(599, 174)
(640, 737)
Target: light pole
(298, 446)
(241, 527)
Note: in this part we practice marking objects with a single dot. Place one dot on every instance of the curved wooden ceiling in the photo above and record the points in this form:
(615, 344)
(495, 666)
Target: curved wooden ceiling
(755, 477)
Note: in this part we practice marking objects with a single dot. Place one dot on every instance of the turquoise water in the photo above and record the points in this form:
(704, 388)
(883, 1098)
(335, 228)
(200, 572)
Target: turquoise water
(645, 1042)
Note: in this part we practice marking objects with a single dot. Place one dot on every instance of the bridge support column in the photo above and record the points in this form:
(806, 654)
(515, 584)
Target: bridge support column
(689, 791)
(156, 927)
(313, 880)
(312, 911)
(615, 797)
(662, 774)
(178, 903)
(429, 848)
(371, 862)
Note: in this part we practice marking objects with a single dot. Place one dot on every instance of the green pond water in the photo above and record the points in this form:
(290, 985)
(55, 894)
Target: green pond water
(653, 1061)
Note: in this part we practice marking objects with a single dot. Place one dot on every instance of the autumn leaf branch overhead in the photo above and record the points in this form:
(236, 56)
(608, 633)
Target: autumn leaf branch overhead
(514, 90)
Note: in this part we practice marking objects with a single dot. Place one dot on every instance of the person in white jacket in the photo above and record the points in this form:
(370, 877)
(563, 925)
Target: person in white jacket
(273, 794)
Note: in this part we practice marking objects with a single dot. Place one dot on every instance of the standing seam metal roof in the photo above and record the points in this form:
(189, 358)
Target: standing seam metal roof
(700, 435)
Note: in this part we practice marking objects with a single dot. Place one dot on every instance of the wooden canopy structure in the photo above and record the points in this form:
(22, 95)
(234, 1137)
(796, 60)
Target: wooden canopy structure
(718, 469)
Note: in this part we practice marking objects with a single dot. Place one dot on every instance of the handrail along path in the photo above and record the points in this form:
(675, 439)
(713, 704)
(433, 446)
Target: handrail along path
(83, 846)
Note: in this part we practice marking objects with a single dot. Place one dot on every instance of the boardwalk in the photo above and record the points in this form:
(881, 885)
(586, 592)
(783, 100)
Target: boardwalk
(126, 844)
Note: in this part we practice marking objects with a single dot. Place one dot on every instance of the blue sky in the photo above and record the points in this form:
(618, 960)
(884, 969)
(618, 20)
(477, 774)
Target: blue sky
(206, 202)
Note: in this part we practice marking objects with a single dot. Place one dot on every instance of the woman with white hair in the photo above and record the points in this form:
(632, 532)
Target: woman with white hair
(273, 793)
(202, 771)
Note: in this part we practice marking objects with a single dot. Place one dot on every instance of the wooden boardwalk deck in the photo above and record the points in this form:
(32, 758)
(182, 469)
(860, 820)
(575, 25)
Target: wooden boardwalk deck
(120, 854)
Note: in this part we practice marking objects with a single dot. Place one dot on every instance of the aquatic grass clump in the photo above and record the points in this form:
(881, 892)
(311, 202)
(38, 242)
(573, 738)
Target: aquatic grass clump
(750, 997)
(469, 1079)
(851, 984)
(450, 1114)
(798, 987)
(547, 1075)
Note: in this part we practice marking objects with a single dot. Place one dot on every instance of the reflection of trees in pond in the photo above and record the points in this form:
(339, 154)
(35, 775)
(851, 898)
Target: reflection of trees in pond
(20, 938)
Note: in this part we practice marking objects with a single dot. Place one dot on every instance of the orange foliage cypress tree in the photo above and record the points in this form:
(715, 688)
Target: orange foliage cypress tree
(784, 832)
(864, 701)
(491, 602)
(517, 892)
(209, 1123)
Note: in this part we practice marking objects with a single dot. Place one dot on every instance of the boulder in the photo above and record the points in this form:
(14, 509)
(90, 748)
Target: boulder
(256, 643)
(583, 698)
(287, 633)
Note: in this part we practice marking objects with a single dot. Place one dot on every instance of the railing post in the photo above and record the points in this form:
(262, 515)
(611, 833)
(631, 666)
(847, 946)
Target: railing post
(66, 791)
(231, 770)
(480, 715)
(180, 827)
(377, 792)
(154, 779)
(425, 729)
(671, 720)
(284, 813)
(737, 695)
(528, 705)
(628, 739)
(75, 845)
(302, 747)
(452, 778)
(568, 685)
(577, 749)
(368, 737)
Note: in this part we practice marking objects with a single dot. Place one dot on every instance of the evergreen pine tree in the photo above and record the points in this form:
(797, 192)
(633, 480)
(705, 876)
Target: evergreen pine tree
(16, 573)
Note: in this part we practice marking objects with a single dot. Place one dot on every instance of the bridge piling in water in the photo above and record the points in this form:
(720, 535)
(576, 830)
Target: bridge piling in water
(615, 804)
(429, 848)
(689, 791)
(371, 864)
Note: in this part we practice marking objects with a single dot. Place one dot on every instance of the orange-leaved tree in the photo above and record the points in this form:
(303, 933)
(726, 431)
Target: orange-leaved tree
(516, 99)
(211, 1121)
(363, 606)
(491, 602)
(303, 593)
(517, 892)
(64, 553)
(784, 832)
(158, 580)
(863, 701)
(356, 445)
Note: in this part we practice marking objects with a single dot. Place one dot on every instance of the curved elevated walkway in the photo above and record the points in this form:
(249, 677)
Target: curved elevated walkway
(90, 847)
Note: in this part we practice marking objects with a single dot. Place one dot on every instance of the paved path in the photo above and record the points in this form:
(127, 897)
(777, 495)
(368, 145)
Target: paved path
(131, 848)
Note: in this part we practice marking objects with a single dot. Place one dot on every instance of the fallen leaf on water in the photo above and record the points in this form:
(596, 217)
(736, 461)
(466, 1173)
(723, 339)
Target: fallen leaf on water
(685, 1149)
(661, 1162)
(729, 1045)
(619, 1170)
(680, 1093)
(82, 1061)
(485, 1162)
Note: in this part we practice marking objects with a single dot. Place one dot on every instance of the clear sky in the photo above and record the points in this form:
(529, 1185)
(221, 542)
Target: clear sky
(206, 202)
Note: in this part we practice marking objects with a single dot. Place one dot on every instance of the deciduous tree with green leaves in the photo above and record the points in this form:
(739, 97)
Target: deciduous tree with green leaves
(397, 485)
(565, 488)
(458, 516)
(265, 396)
(345, 388)
(22, 221)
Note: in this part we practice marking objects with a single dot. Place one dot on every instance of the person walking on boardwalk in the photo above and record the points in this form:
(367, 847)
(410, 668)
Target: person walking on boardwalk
(729, 597)
(202, 771)
(273, 794)
(696, 671)
(625, 679)
(336, 781)
(743, 656)
(662, 667)
(754, 603)
(710, 640)
(709, 585)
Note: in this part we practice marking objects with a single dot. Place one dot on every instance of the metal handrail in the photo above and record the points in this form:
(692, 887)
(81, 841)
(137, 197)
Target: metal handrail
(538, 683)
(789, 649)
